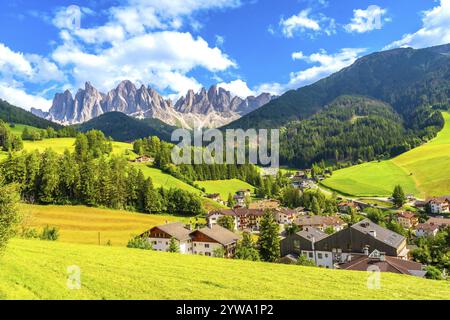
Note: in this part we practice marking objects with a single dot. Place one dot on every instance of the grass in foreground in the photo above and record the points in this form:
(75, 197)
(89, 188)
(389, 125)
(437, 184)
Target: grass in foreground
(34, 269)
(79, 224)
(423, 171)
(225, 187)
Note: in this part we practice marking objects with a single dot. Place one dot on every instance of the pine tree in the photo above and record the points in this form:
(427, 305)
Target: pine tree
(173, 246)
(246, 248)
(231, 202)
(9, 216)
(399, 196)
(269, 240)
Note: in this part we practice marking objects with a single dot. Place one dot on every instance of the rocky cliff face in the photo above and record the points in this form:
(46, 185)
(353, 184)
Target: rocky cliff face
(212, 108)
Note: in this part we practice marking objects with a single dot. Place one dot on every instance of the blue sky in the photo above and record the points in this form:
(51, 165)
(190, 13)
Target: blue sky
(246, 46)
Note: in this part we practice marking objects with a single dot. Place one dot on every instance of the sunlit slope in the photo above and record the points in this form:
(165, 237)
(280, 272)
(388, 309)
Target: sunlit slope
(38, 270)
(423, 171)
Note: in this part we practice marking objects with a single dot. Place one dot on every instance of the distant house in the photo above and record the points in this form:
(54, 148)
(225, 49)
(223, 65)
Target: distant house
(245, 219)
(206, 240)
(321, 222)
(244, 193)
(239, 200)
(426, 230)
(160, 237)
(407, 220)
(267, 204)
(331, 250)
(345, 206)
(213, 196)
(202, 241)
(378, 261)
(439, 221)
(285, 215)
(439, 204)
(144, 159)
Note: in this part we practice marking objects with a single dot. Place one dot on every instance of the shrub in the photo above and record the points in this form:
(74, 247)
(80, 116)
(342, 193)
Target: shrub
(139, 243)
(50, 233)
(433, 273)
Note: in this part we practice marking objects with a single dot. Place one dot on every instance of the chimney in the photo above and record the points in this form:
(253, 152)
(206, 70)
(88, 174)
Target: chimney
(366, 250)
(382, 256)
(373, 233)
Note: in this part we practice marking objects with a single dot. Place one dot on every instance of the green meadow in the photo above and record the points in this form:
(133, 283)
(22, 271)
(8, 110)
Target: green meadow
(423, 171)
(80, 224)
(224, 187)
(33, 269)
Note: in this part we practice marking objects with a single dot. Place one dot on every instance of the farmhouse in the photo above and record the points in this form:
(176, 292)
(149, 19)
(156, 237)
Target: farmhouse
(407, 220)
(286, 216)
(202, 241)
(378, 261)
(144, 159)
(244, 218)
(439, 205)
(340, 247)
(345, 206)
(320, 222)
(426, 230)
(206, 240)
(160, 237)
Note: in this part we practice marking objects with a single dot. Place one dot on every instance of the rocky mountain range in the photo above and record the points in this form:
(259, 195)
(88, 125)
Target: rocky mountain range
(208, 108)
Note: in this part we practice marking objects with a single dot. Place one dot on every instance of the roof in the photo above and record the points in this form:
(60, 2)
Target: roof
(213, 195)
(406, 214)
(286, 211)
(225, 212)
(176, 230)
(319, 220)
(390, 264)
(439, 221)
(248, 212)
(382, 234)
(429, 227)
(439, 199)
(310, 233)
(219, 234)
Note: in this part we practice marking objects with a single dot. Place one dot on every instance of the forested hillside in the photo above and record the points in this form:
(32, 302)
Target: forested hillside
(12, 114)
(353, 129)
(404, 78)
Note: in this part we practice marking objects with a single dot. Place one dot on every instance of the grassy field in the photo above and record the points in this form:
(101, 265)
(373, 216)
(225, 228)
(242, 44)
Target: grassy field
(79, 224)
(34, 269)
(423, 171)
(225, 187)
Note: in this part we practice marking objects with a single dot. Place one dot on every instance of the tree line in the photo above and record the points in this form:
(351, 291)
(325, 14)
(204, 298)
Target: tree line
(92, 176)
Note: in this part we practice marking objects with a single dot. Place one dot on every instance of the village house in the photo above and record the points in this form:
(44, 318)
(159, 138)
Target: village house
(439, 205)
(345, 206)
(244, 219)
(207, 240)
(321, 222)
(331, 250)
(439, 221)
(244, 193)
(426, 230)
(407, 220)
(286, 216)
(202, 241)
(378, 261)
(239, 200)
(144, 159)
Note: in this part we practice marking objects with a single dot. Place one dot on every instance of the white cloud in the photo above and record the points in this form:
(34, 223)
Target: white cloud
(13, 63)
(161, 58)
(367, 20)
(304, 22)
(19, 98)
(435, 29)
(325, 65)
(238, 88)
(298, 55)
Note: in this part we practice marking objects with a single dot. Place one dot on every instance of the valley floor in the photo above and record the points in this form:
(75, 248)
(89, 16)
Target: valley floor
(32, 269)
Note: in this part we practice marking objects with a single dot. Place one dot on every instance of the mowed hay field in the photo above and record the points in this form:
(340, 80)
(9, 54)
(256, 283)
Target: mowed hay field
(225, 187)
(33, 269)
(423, 171)
(80, 224)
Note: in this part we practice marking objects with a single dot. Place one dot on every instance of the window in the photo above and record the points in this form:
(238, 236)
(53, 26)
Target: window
(326, 255)
(310, 254)
(297, 245)
(319, 255)
(206, 245)
(208, 254)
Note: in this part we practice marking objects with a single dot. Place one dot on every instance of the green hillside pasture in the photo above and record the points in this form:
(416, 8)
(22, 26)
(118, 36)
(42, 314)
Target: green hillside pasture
(79, 224)
(370, 179)
(423, 171)
(34, 269)
(224, 187)
(161, 179)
